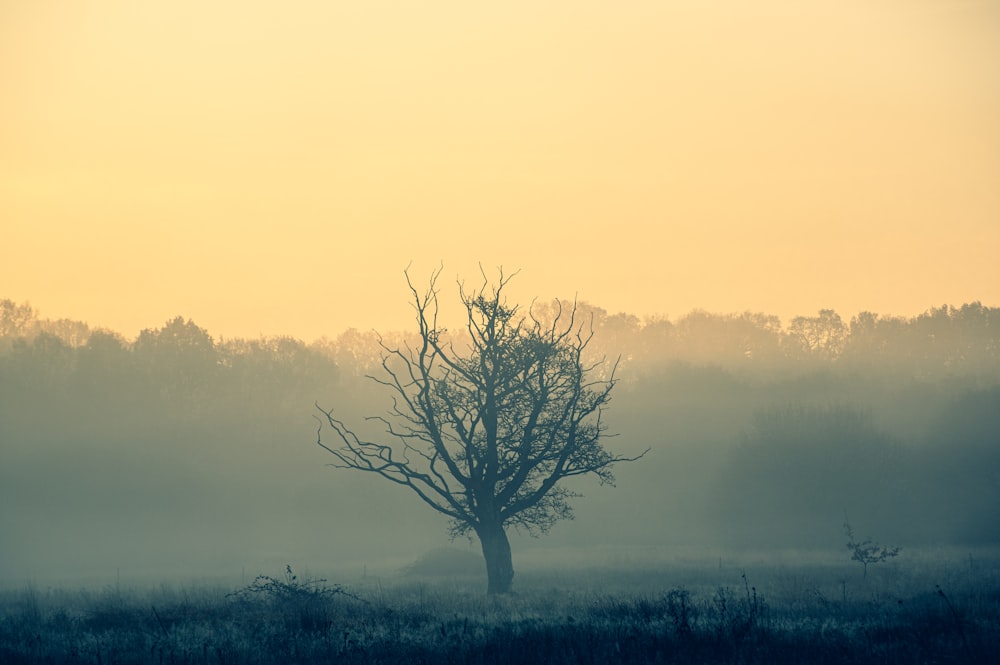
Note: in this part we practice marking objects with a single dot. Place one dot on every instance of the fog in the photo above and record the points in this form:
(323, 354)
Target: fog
(180, 455)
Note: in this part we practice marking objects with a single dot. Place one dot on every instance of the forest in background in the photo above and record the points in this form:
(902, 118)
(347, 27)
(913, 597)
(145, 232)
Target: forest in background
(176, 451)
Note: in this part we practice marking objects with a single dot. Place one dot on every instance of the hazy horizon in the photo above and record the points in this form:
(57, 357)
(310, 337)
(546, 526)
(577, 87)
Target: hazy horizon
(179, 455)
(449, 303)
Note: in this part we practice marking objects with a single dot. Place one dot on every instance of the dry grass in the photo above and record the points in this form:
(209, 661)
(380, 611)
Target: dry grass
(914, 611)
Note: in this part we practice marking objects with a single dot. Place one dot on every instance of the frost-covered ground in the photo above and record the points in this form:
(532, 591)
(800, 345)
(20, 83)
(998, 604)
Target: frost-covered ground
(922, 607)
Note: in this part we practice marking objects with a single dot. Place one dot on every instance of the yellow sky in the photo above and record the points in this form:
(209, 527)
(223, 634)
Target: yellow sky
(271, 167)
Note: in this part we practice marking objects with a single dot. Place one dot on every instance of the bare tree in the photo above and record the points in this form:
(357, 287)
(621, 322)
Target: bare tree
(867, 551)
(825, 335)
(485, 435)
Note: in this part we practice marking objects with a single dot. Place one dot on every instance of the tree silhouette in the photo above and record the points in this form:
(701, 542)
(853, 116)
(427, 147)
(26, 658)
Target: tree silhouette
(824, 335)
(867, 551)
(180, 359)
(15, 320)
(485, 436)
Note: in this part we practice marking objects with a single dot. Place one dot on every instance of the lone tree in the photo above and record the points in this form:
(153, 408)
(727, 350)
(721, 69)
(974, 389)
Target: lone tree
(867, 551)
(484, 432)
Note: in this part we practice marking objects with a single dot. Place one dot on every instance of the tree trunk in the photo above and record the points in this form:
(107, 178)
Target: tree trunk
(496, 551)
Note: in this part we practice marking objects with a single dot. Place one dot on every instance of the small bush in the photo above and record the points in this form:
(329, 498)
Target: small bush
(302, 604)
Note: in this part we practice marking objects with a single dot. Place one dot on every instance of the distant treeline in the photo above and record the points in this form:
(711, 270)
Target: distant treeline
(760, 433)
(942, 341)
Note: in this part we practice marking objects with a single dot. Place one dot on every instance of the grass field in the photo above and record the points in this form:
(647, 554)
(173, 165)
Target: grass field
(920, 608)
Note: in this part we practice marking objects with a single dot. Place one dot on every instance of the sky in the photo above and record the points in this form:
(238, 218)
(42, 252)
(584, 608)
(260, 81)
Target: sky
(272, 168)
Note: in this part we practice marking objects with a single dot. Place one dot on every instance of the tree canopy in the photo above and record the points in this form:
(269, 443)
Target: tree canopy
(485, 425)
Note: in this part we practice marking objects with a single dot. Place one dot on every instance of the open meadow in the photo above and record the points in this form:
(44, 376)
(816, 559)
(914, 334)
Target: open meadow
(924, 607)
(405, 332)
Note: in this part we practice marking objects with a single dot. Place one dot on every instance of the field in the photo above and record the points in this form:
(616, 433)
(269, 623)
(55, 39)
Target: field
(930, 607)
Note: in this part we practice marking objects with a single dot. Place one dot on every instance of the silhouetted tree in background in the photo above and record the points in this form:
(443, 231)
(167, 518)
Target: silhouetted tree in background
(180, 357)
(825, 334)
(485, 436)
(15, 320)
